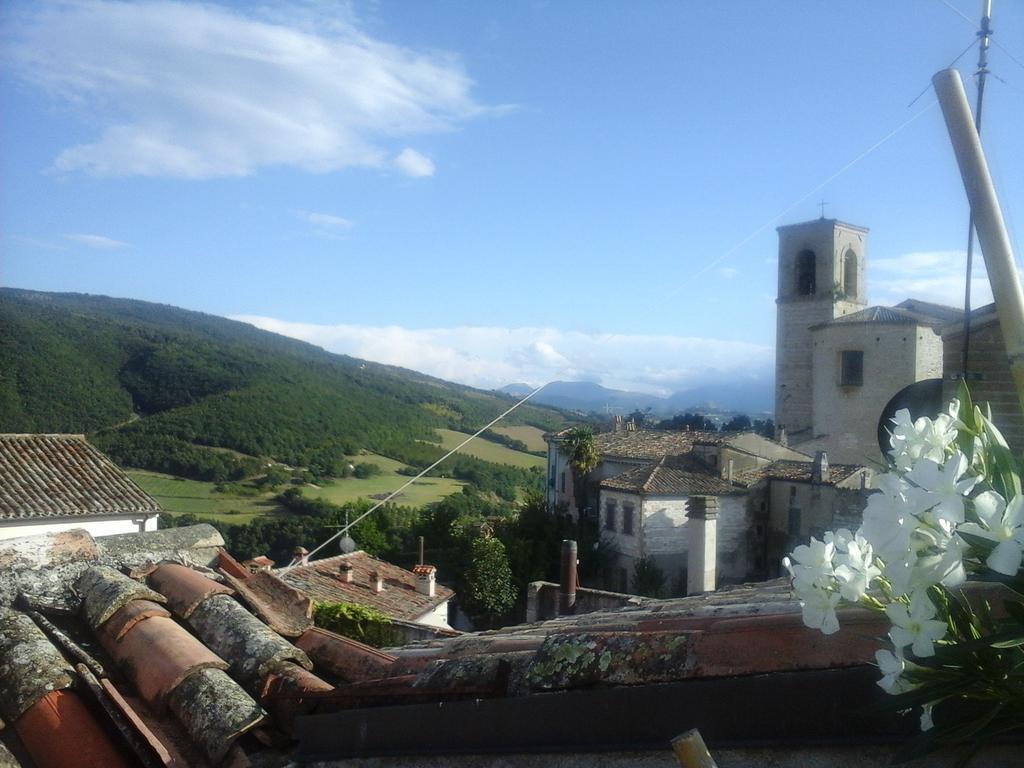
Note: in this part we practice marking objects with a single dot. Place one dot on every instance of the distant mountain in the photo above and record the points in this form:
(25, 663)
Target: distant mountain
(158, 386)
(753, 397)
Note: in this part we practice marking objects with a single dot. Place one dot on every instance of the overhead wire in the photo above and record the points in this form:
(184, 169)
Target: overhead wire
(710, 265)
(405, 485)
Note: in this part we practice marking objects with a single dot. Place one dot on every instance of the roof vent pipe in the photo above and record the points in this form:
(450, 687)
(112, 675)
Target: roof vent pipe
(567, 587)
(819, 468)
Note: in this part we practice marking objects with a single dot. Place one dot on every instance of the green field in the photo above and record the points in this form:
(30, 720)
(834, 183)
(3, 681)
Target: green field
(424, 491)
(488, 451)
(179, 496)
(532, 436)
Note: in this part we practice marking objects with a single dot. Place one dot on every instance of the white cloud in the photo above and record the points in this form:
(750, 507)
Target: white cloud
(929, 275)
(490, 357)
(412, 163)
(97, 241)
(198, 90)
(325, 220)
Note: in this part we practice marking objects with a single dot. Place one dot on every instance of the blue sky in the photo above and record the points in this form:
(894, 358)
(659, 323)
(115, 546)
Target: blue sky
(491, 192)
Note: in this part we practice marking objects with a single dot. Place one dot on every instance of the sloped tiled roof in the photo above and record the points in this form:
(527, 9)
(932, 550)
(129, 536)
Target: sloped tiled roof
(679, 477)
(653, 444)
(321, 580)
(64, 476)
(909, 312)
(941, 312)
(799, 471)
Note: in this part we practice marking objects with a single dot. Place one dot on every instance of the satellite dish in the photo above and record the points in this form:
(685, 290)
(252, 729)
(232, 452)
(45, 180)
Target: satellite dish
(347, 544)
(922, 398)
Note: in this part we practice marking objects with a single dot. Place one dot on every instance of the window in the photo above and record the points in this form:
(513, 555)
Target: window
(794, 521)
(850, 275)
(805, 268)
(551, 479)
(609, 515)
(851, 368)
(562, 489)
(627, 519)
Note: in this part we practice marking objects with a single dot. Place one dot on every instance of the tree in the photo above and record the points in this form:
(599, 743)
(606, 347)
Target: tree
(696, 422)
(738, 423)
(648, 578)
(765, 428)
(583, 457)
(487, 593)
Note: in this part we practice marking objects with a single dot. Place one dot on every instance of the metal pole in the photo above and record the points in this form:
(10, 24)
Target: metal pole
(984, 33)
(988, 218)
(567, 588)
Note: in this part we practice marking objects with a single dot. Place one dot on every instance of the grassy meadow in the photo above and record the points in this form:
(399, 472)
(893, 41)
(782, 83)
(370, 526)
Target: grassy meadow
(179, 496)
(424, 491)
(532, 436)
(488, 451)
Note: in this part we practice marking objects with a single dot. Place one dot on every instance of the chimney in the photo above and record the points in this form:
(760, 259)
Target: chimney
(376, 581)
(702, 544)
(617, 421)
(300, 556)
(426, 579)
(819, 468)
(346, 572)
(729, 470)
(567, 587)
(781, 438)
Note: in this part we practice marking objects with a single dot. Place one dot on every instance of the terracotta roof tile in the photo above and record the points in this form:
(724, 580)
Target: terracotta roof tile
(799, 471)
(400, 600)
(653, 444)
(64, 476)
(681, 476)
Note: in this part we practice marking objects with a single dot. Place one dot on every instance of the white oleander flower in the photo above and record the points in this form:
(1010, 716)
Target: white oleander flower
(944, 486)
(889, 521)
(813, 564)
(892, 665)
(915, 626)
(856, 569)
(924, 438)
(1003, 524)
(819, 609)
(926, 717)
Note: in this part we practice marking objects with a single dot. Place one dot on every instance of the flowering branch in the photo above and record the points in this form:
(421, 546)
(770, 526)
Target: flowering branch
(951, 505)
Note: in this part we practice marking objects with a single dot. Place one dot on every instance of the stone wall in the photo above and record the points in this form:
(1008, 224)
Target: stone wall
(995, 386)
(542, 600)
(895, 355)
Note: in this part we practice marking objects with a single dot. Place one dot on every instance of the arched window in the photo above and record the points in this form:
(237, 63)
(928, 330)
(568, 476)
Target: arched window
(805, 266)
(850, 274)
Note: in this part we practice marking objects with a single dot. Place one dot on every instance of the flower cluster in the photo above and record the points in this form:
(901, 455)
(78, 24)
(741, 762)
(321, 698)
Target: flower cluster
(951, 504)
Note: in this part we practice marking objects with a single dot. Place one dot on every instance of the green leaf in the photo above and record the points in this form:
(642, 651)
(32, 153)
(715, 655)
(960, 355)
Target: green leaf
(978, 542)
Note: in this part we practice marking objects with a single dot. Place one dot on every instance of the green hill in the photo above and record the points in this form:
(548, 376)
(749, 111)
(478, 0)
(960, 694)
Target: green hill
(157, 387)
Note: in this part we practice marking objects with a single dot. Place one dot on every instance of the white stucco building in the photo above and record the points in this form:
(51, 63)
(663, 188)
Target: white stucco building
(53, 483)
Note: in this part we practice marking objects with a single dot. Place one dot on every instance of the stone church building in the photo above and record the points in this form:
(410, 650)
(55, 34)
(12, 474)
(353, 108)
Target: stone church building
(839, 362)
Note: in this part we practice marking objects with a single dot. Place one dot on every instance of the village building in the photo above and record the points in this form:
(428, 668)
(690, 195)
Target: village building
(842, 368)
(839, 362)
(650, 484)
(403, 596)
(52, 483)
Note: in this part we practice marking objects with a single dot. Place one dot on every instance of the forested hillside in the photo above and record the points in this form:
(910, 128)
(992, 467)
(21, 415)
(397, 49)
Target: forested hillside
(157, 387)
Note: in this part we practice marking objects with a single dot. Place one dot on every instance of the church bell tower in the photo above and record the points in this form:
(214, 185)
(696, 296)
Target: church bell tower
(821, 277)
